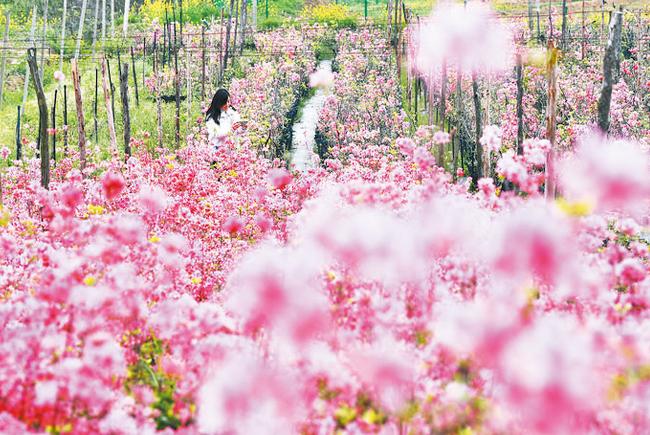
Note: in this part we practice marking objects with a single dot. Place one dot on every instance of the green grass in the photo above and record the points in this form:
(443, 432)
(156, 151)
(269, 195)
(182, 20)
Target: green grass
(143, 117)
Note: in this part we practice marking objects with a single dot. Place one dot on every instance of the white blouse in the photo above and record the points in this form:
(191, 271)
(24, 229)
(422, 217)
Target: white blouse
(218, 132)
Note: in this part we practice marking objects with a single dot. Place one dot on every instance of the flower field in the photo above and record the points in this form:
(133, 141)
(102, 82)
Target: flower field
(457, 262)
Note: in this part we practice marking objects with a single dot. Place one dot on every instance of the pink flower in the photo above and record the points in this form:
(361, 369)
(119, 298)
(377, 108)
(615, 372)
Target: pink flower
(631, 271)
(491, 138)
(613, 173)
(113, 184)
(72, 196)
(471, 37)
(280, 178)
(153, 199)
(59, 76)
(263, 222)
(233, 224)
(4, 153)
(441, 138)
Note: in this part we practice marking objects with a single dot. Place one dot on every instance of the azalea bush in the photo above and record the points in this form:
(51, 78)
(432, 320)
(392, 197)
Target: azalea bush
(216, 291)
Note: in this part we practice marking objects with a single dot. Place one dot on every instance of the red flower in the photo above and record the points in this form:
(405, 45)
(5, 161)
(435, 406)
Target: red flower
(112, 184)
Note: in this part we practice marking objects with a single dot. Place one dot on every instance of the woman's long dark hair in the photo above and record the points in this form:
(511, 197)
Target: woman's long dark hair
(218, 101)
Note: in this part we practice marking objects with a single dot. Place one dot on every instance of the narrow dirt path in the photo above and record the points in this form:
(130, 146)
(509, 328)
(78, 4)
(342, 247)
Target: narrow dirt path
(304, 130)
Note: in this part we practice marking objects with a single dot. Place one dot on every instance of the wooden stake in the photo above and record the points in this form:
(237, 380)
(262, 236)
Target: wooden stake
(126, 119)
(551, 71)
(520, 106)
(108, 101)
(43, 113)
(5, 46)
(135, 79)
(56, 91)
(65, 120)
(81, 128)
(95, 106)
(110, 82)
(202, 63)
(19, 142)
(610, 70)
(477, 137)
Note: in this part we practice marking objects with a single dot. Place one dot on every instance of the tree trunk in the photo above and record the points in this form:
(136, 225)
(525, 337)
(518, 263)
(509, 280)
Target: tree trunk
(125, 24)
(551, 105)
(65, 10)
(530, 16)
(110, 115)
(243, 25)
(227, 47)
(5, 46)
(610, 70)
(520, 106)
(113, 18)
(254, 15)
(82, 17)
(126, 120)
(477, 138)
(43, 114)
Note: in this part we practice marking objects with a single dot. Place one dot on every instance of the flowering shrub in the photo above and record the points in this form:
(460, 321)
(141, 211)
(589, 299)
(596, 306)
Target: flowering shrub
(372, 295)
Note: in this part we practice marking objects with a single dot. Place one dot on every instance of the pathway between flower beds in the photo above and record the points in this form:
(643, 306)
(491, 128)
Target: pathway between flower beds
(304, 131)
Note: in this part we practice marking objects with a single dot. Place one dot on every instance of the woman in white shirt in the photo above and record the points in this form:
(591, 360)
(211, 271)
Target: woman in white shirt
(221, 118)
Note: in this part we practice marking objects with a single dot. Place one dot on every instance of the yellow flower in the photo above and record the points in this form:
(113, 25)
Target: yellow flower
(90, 281)
(95, 209)
(576, 209)
(154, 239)
(5, 217)
(169, 166)
(196, 280)
(345, 415)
